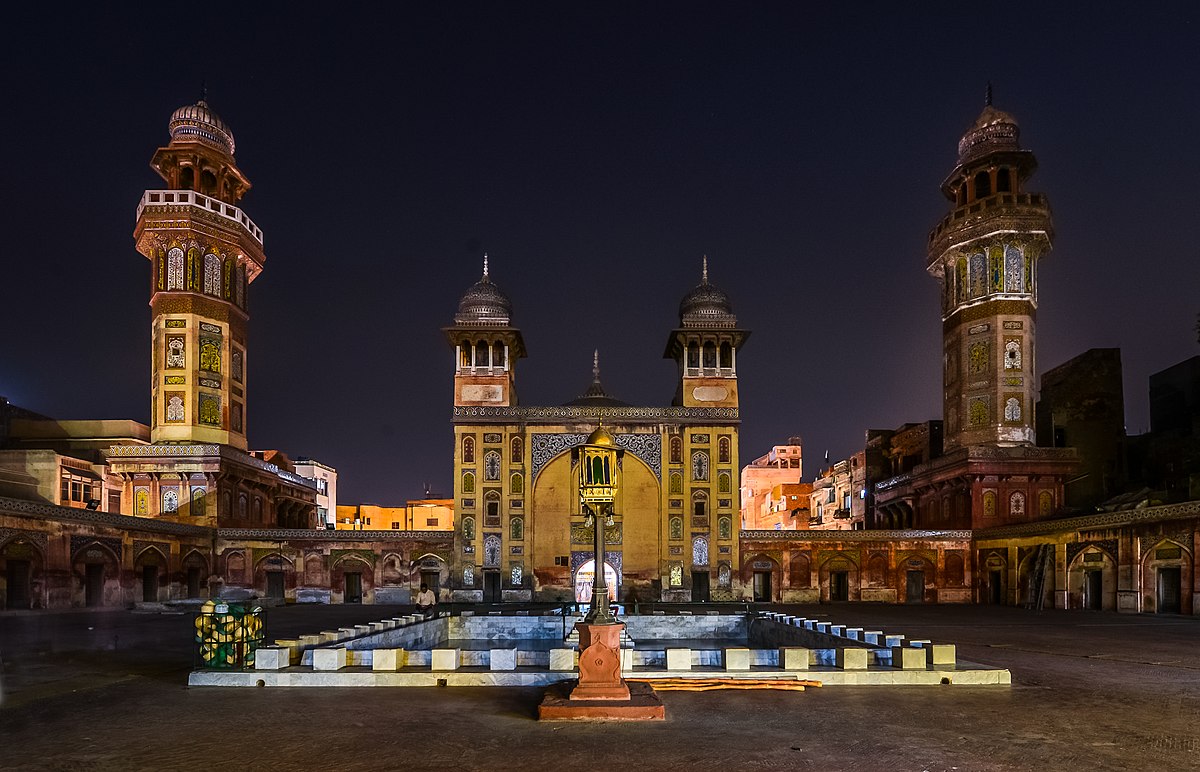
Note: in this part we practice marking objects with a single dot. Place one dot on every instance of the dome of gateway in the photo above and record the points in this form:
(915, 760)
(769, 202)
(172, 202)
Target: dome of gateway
(198, 123)
(706, 306)
(993, 130)
(484, 304)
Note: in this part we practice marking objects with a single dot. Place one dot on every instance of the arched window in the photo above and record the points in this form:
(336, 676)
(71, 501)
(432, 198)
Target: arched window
(187, 178)
(1012, 354)
(491, 465)
(724, 483)
(498, 354)
(208, 182)
(243, 504)
(516, 574)
(726, 355)
(693, 354)
(481, 354)
(699, 465)
(1003, 181)
(979, 275)
(468, 483)
(212, 275)
(1045, 504)
(468, 449)
(175, 269)
(723, 446)
(516, 529)
(989, 504)
(983, 185)
(517, 483)
(141, 501)
(468, 528)
(1012, 409)
(675, 528)
(170, 501)
(197, 508)
(676, 450)
(700, 551)
(258, 509)
(469, 575)
(699, 504)
(961, 288)
(676, 484)
(962, 194)
(953, 572)
(175, 409)
(1016, 504)
(464, 353)
(710, 354)
(517, 455)
(725, 528)
(227, 280)
(1014, 269)
(491, 551)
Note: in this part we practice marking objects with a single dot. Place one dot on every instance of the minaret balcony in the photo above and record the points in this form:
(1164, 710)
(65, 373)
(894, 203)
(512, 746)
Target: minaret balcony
(1021, 212)
(172, 199)
(709, 372)
(482, 370)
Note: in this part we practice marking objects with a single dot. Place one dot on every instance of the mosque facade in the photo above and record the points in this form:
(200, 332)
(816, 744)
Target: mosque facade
(519, 531)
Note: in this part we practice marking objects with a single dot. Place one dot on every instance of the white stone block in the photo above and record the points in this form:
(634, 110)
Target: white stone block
(851, 659)
(737, 659)
(873, 637)
(918, 642)
(893, 640)
(626, 660)
(378, 627)
(503, 659)
(329, 659)
(793, 658)
(272, 658)
(346, 632)
(389, 659)
(822, 627)
(941, 654)
(308, 641)
(908, 658)
(679, 659)
(362, 629)
(562, 659)
(854, 633)
(838, 630)
(329, 636)
(445, 659)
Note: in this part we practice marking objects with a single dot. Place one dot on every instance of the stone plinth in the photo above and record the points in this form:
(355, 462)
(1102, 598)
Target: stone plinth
(502, 659)
(272, 658)
(908, 658)
(562, 659)
(852, 659)
(445, 659)
(941, 654)
(793, 658)
(329, 659)
(643, 705)
(737, 659)
(388, 659)
(679, 659)
(600, 664)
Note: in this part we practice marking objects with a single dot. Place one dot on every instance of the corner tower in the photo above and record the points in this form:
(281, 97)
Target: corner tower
(705, 347)
(984, 254)
(203, 252)
(486, 346)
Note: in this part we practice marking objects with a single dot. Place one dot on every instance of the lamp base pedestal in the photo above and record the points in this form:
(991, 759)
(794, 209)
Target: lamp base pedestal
(600, 693)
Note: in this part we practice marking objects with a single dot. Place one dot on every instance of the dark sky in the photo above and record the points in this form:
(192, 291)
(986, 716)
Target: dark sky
(596, 151)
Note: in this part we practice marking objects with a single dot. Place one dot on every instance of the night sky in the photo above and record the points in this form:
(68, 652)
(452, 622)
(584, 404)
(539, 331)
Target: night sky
(595, 151)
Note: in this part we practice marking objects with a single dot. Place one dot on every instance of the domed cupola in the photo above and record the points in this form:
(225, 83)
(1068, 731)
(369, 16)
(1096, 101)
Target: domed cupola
(596, 396)
(198, 123)
(484, 304)
(706, 306)
(993, 130)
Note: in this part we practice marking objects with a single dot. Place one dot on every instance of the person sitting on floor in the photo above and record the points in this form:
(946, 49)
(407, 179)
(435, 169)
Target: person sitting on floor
(426, 600)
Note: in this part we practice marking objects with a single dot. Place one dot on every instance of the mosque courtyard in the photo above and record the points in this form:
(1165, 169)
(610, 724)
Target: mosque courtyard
(106, 690)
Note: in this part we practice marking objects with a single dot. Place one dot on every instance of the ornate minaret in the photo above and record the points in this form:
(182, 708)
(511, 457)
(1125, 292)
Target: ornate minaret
(705, 346)
(486, 346)
(203, 250)
(984, 254)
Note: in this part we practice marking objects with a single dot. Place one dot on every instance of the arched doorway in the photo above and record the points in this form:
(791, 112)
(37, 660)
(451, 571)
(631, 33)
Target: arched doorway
(20, 571)
(1166, 571)
(1092, 581)
(585, 577)
(150, 569)
(96, 569)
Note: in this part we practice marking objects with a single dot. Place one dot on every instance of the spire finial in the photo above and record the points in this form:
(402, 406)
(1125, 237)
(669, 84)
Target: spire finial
(485, 265)
(704, 274)
(988, 99)
(204, 91)
(596, 365)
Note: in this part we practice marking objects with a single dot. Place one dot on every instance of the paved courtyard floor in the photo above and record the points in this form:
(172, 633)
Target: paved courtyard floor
(106, 690)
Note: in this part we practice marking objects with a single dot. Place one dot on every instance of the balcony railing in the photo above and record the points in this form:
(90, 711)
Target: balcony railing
(709, 372)
(154, 198)
(999, 200)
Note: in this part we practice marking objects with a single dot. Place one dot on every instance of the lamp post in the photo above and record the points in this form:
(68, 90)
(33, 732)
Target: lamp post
(598, 482)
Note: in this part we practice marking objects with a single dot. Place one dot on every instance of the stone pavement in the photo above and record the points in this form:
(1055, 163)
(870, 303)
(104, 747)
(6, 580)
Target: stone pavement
(1090, 690)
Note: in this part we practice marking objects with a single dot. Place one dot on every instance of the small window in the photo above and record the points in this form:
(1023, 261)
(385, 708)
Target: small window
(983, 185)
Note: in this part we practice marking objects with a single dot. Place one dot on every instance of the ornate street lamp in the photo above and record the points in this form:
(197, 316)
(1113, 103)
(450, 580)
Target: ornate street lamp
(599, 473)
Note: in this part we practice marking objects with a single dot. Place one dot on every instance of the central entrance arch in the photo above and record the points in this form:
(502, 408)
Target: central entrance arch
(585, 577)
